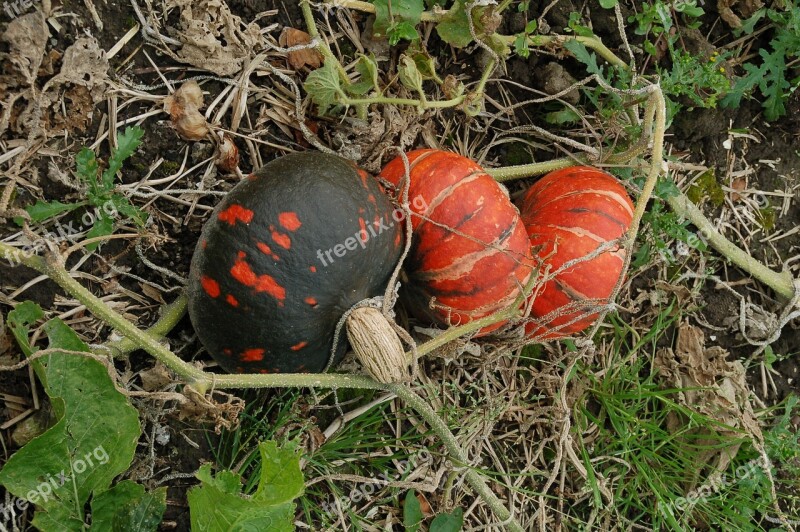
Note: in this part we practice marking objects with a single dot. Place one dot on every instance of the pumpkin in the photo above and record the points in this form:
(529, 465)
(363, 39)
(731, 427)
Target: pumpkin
(569, 214)
(284, 255)
(469, 255)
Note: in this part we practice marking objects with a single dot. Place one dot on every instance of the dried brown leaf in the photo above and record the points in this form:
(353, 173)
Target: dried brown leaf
(297, 59)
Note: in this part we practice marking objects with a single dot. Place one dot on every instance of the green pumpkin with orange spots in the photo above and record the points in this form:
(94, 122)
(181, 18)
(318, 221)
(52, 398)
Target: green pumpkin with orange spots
(285, 254)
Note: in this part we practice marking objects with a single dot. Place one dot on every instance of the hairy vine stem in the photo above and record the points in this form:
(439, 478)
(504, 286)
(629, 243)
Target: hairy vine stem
(51, 265)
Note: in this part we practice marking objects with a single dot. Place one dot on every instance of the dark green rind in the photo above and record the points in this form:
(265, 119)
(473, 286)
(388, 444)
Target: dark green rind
(326, 192)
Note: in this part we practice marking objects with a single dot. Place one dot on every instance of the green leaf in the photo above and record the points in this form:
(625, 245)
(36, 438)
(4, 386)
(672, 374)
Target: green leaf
(20, 320)
(44, 210)
(124, 207)
(403, 12)
(127, 506)
(103, 226)
(217, 504)
(453, 28)
(410, 76)
(323, 86)
(412, 512)
(402, 30)
(281, 478)
(127, 143)
(608, 4)
(93, 441)
(86, 166)
(448, 522)
(367, 68)
(583, 55)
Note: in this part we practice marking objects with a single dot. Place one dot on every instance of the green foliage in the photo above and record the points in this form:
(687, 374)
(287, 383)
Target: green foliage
(323, 86)
(771, 76)
(100, 190)
(444, 522)
(217, 505)
(396, 19)
(93, 441)
(705, 187)
(660, 227)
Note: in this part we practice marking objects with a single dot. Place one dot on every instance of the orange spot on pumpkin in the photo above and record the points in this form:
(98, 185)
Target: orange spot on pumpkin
(232, 301)
(298, 347)
(282, 240)
(227, 352)
(289, 221)
(310, 300)
(263, 371)
(313, 269)
(243, 273)
(210, 286)
(265, 249)
(252, 355)
(363, 226)
(204, 244)
(236, 213)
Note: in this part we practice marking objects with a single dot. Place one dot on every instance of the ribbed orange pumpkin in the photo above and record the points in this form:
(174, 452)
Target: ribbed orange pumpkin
(568, 214)
(469, 250)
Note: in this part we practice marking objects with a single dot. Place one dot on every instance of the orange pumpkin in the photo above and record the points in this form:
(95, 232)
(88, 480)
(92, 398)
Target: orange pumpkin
(469, 254)
(569, 214)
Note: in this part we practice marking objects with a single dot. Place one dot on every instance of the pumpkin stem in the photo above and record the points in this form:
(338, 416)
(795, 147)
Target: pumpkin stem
(377, 345)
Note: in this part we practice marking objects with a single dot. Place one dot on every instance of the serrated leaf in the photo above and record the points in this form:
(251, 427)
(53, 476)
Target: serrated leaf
(451, 522)
(323, 86)
(127, 506)
(583, 55)
(93, 441)
(402, 11)
(86, 166)
(124, 207)
(103, 226)
(412, 512)
(127, 143)
(44, 210)
(453, 28)
(217, 504)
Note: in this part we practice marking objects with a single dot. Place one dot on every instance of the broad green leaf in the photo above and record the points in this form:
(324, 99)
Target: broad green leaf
(412, 512)
(425, 64)
(448, 522)
(281, 478)
(93, 441)
(217, 505)
(127, 143)
(103, 226)
(44, 210)
(127, 506)
(323, 86)
(453, 28)
(608, 4)
(402, 30)
(402, 11)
